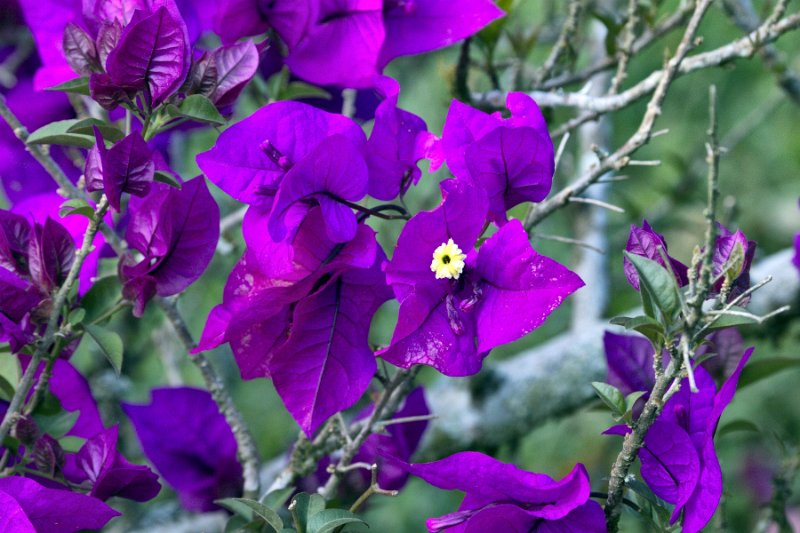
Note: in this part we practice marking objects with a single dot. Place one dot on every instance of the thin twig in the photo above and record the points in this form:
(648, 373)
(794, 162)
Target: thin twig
(568, 30)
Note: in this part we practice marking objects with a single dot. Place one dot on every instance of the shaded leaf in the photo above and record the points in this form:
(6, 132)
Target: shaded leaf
(167, 178)
(328, 520)
(611, 396)
(58, 133)
(76, 86)
(109, 343)
(86, 126)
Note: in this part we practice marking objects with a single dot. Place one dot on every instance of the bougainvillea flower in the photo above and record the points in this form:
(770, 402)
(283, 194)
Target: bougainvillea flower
(125, 167)
(346, 43)
(396, 144)
(26, 506)
(419, 26)
(679, 461)
(176, 230)
(250, 158)
(512, 159)
(108, 472)
(450, 318)
(333, 172)
(727, 347)
(733, 255)
(299, 313)
(191, 445)
(646, 242)
(500, 493)
(51, 252)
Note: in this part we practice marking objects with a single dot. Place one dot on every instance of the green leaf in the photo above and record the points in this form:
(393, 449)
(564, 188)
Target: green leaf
(166, 177)
(327, 520)
(729, 321)
(6, 389)
(632, 398)
(76, 86)
(71, 444)
(76, 206)
(76, 316)
(236, 524)
(104, 294)
(303, 506)
(764, 368)
(611, 396)
(277, 83)
(737, 425)
(58, 424)
(647, 326)
(259, 510)
(298, 90)
(109, 343)
(197, 107)
(277, 498)
(10, 372)
(658, 282)
(86, 126)
(58, 133)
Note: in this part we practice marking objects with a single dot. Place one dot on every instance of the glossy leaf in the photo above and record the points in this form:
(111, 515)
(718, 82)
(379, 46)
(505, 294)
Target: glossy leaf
(659, 284)
(200, 108)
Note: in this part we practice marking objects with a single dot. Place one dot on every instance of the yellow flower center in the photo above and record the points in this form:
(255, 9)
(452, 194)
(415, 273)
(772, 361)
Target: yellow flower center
(448, 260)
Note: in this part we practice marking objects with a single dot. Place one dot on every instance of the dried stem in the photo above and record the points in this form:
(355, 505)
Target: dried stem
(568, 30)
(621, 157)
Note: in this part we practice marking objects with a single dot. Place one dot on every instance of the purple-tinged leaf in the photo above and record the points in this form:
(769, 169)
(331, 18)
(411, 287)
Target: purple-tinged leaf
(235, 65)
(17, 296)
(126, 167)
(51, 251)
(335, 171)
(202, 77)
(646, 242)
(326, 364)
(107, 38)
(191, 445)
(152, 54)
(80, 51)
(106, 93)
(15, 233)
(54, 510)
(670, 463)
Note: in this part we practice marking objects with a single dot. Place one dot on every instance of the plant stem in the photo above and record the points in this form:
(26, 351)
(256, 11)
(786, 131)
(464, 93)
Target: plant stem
(17, 402)
(248, 453)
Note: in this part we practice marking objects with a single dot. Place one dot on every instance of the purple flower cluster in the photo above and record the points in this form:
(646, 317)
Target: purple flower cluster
(349, 42)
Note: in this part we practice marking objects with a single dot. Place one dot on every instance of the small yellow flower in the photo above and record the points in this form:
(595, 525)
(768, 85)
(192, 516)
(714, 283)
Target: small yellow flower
(448, 260)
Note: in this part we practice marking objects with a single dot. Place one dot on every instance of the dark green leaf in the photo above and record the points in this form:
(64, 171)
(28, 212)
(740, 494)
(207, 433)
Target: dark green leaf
(258, 510)
(197, 107)
(737, 425)
(235, 524)
(327, 520)
(277, 83)
(658, 282)
(103, 295)
(86, 127)
(109, 343)
(6, 389)
(58, 424)
(647, 326)
(76, 86)
(298, 90)
(611, 396)
(277, 498)
(764, 368)
(71, 444)
(166, 177)
(57, 133)
(303, 506)
(76, 316)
